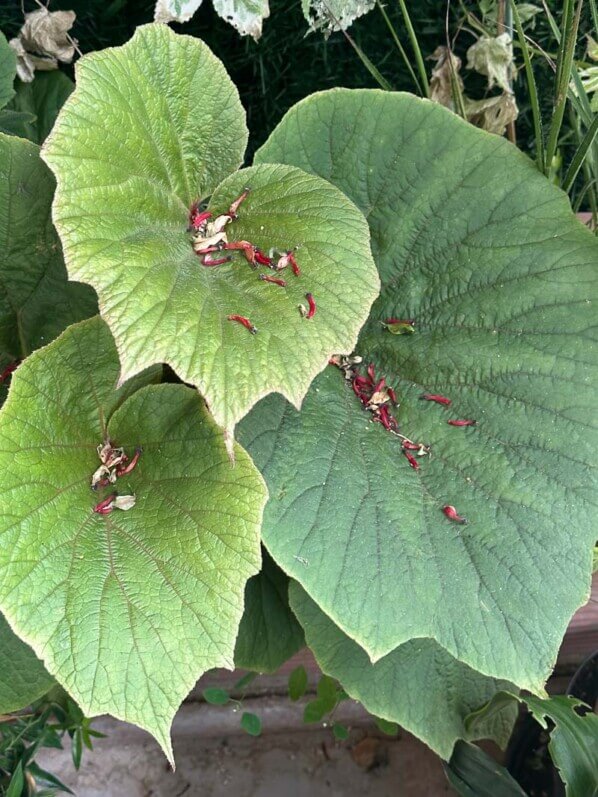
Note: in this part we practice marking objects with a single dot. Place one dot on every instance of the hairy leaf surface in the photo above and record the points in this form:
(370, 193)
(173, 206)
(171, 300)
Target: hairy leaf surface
(126, 610)
(487, 258)
(23, 677)
(269, 633)
(418, 685)
(151, 128)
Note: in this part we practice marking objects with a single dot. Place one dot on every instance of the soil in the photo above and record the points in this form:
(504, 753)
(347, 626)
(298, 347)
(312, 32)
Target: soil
(299, 764)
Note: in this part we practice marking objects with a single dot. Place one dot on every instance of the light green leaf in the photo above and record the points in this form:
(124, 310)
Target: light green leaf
(175, 10)
(418, 685)
(41, 99)
(473, 773)
(127, 610)
(246, 16)
(269, 634)
(132, 153)
(573, 742)
(8, 70)
(334, 15)
(486, 256)
(36, 300)
(23, 677)
(492, 56)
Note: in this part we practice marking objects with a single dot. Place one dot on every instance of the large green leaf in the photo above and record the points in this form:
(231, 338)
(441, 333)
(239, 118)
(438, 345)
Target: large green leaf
(269, 633)
(418, 685)
(486, 256)
(573, 736)
(23, 677)
(42, 99)
(126, 610)
(8, 70)
(36, 300)
(152, 127)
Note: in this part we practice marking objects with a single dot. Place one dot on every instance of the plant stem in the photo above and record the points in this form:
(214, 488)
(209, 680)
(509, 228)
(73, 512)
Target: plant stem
(504, 23)
(372, 69)
(400, 47)
(416, 49)
(580, 155)
(564, 68)
(532, 89)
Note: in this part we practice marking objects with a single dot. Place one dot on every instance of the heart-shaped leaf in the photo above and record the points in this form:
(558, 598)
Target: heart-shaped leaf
(36, 300)
(476, 247)
(41, 99)
(151, 128)
(418, 685)
(269, 634)
(23, 678)
(126, 610)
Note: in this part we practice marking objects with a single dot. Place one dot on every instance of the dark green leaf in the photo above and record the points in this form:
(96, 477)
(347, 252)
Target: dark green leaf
(269, 633)
(77, 748)
(386, 727)
(217, 697)
(15, 123)
(23, 677)
(243, 682)
(473, 773)
(17, 782)
(45, 778)
(573, 742)
(36, 300)
(41, 99)
(8, 70)
(341, 732)
(251, 723)
(315, 711)
(327, 692)
(297, 682)
(418, 685)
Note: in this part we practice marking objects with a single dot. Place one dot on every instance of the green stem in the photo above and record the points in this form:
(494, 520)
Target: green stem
(373, 70)
(580, 155)
(532, 89)
(416, 49)
(564, 67)
(400, 47)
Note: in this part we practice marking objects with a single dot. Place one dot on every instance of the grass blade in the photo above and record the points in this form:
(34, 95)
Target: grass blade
(416, 48)
(580, 155)
(400, 47)
(532, 89)
(564, 71)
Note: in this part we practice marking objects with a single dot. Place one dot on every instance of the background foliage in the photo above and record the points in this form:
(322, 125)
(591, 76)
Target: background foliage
(287, 65)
